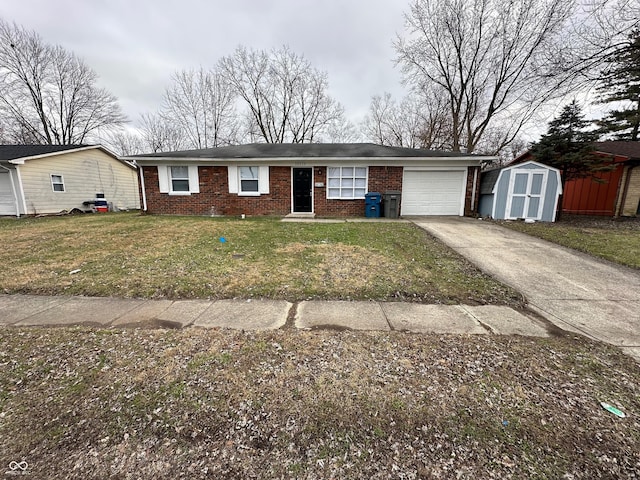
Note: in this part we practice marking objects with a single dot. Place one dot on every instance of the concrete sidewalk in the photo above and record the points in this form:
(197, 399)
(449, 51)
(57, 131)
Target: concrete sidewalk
(573, 290)
(32, 310)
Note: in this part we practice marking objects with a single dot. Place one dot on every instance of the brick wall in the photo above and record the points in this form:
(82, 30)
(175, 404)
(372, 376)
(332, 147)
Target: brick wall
(214, 197)
(380, 180)
(468, 211)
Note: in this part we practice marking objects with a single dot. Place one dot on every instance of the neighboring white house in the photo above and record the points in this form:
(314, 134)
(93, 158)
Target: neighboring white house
(41, 179)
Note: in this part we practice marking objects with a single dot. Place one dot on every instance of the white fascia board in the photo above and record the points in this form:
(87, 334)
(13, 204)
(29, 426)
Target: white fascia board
(314, 161)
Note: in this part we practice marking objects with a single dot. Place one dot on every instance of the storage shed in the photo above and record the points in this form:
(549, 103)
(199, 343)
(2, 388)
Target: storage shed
(528, 190)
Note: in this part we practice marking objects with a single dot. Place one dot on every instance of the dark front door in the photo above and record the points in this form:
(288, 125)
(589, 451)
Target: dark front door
(302, 190)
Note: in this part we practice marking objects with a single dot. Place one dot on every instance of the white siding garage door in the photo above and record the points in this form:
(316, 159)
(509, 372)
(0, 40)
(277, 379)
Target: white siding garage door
(436, 192)
(7, 200)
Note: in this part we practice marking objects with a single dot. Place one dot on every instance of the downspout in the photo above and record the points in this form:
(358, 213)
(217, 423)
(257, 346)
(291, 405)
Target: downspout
(24, 199)
(13, 189)
(473, 191)
(142, 186)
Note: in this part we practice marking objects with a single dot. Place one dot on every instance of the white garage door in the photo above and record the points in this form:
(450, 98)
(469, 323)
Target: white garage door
(7, 199)
(437, 192)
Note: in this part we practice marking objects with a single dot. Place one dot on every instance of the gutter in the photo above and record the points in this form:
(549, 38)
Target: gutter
(379, 161)
(13, 189)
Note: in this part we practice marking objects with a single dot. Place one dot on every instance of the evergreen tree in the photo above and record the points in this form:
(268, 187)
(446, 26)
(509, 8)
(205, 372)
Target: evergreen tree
(568, 146)
(621, 83)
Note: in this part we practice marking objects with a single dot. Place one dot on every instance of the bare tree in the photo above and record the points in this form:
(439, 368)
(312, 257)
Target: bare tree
(286, 98)
(596, 31)
(48, 95)
(418, 121)
(123, 142)
(202, 104)
(159, 135)
(490, 58)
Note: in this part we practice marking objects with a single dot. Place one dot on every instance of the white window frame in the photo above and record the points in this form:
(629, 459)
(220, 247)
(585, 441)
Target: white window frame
(235, 182)
(341, 178)
(165, 179)
(61, 182)
(173, 178)
(256, 178)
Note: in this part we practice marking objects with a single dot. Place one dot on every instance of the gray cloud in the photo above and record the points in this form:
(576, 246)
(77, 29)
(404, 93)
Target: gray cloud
(135, 46)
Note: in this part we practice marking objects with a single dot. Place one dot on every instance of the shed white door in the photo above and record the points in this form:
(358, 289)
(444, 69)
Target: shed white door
(525, 199)
(433, 192)
(7, 198)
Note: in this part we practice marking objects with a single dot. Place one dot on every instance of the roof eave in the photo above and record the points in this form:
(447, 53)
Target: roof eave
(477, 160)
(22, 160)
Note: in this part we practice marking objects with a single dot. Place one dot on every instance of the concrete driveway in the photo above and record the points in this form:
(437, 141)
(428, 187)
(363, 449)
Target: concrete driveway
(575, 291)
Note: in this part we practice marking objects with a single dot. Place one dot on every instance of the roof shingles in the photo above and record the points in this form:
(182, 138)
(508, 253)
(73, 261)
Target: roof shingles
(12, 152)
(304, 150)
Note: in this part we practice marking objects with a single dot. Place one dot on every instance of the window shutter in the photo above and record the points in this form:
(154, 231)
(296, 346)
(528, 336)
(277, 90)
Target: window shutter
(194, 182)
(163, 179)
(263, 179)
(233, 178)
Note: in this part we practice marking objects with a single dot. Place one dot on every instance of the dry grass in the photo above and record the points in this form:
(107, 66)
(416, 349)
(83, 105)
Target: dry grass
(614, 240)
(128, 255)
(81, 403)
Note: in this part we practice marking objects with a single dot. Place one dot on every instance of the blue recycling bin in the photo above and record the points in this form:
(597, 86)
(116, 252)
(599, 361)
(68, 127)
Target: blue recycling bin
(372, 201)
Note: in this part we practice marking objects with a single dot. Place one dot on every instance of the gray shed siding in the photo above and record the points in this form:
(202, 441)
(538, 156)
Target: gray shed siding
(496, 203)
(501, 194)
(485, 207)
(549, 208)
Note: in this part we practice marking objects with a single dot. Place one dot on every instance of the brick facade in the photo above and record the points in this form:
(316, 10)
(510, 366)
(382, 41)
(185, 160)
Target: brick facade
(468, 210)
(214, 197)
(380, 180)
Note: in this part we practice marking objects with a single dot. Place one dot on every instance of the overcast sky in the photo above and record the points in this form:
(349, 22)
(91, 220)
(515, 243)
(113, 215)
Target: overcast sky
(135, 45)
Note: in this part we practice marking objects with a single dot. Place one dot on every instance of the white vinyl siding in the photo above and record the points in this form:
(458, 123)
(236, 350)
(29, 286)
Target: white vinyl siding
(346, 183)
(84, 173)
(7, 193)
(248, 180)
(433, 192)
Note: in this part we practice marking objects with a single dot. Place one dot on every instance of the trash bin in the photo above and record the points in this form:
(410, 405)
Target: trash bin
(392, 203)
(372, 204)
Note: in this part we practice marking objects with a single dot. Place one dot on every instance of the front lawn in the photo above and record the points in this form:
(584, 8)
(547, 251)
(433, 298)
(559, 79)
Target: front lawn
(80, 403)
(614, 240)
(129, 255)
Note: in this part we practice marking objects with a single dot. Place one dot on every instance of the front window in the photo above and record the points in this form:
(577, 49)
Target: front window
(180, 179)
(57, 182)
(248, 180)
(347, 182)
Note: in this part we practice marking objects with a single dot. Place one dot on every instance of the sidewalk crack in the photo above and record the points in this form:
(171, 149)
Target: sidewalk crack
(386, 319)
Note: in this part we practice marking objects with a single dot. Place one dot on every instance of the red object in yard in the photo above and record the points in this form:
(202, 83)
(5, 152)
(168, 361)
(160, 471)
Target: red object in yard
(102, 209)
